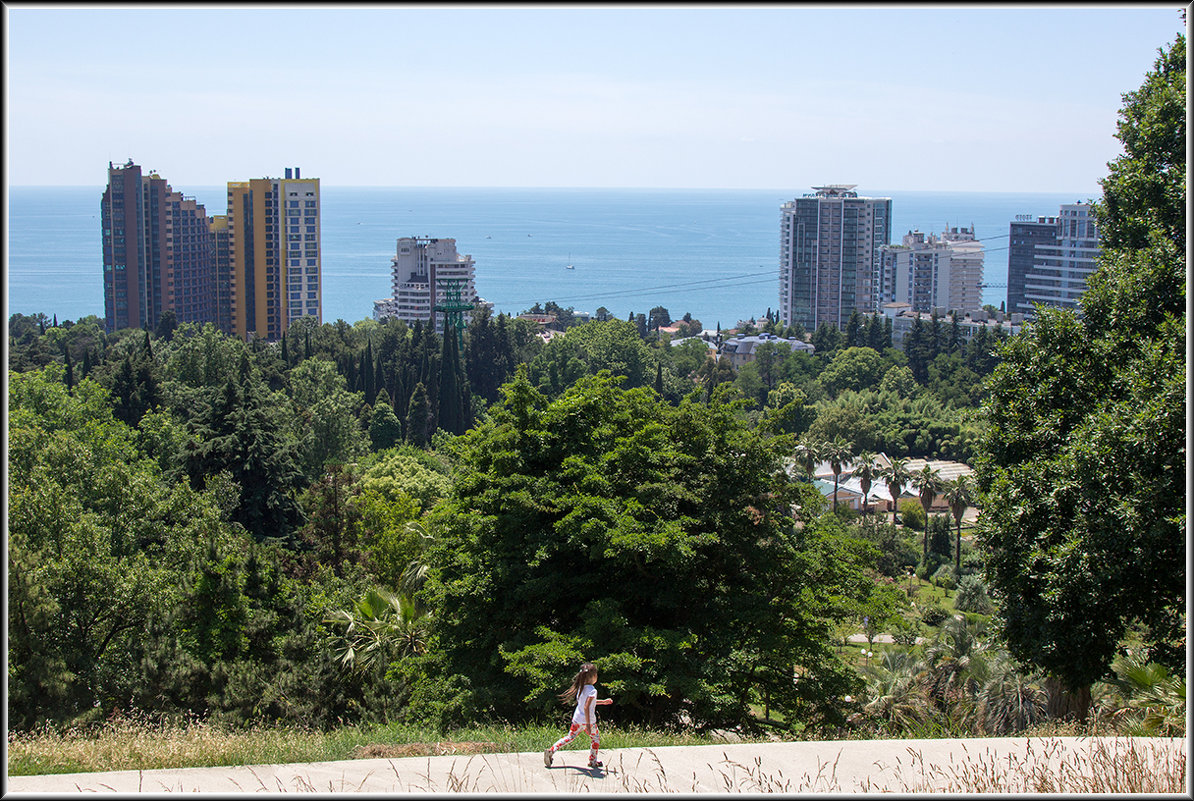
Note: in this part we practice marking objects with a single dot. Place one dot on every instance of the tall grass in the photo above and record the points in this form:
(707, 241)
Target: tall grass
(139, 742)
(1110, 766)
(1116, 766)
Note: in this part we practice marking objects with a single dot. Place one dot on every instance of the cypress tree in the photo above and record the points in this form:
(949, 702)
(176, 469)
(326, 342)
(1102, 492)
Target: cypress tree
(368, 373)
(449, 386)
(916, 348)
(70, 370)
(418, 417)
(937, 336)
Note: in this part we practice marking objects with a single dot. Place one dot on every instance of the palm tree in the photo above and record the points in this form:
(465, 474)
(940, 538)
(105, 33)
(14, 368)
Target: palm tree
(957, 494)
(379, 624)
(867, 470)
(895, 476)
(836, 453)
(1144, 695)
(894, 695)
(415, 575)
(808, 453)
(927, 482)
(1009, 700)
(955, 667)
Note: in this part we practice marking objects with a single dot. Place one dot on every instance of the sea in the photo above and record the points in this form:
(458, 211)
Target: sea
(712, 253)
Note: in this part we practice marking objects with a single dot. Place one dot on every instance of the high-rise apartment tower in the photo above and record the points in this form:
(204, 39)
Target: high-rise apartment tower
(830, 255)
(943, 272)
(1050, 260)
(274, 253)
(158, 252)
(1024, 234)
(427, 272)
(251, 271)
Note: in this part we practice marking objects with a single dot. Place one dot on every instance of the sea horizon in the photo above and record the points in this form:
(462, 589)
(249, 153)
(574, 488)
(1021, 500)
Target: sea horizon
(710, 252)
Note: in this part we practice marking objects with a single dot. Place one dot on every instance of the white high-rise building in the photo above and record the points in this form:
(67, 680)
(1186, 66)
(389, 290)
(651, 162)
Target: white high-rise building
(1059, 272)
(934, 272)
(829, 255)
(966, 258)
(428, 272)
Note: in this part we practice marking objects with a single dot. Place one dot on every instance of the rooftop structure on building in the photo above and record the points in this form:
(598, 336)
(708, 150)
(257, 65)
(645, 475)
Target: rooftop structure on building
(903, 318)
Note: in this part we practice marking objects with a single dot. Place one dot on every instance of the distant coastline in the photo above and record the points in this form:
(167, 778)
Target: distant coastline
(704, 251)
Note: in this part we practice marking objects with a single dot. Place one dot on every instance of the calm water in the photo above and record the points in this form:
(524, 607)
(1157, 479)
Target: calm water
(713, 253)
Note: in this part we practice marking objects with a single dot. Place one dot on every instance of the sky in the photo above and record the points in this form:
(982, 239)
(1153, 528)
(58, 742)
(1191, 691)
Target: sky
(1017, 98)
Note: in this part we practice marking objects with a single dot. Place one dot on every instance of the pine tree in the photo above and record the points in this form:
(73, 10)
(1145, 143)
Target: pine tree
(853, 330)
(874, 333)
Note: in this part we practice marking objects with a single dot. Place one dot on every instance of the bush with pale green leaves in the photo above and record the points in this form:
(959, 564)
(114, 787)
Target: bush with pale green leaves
(972, 595)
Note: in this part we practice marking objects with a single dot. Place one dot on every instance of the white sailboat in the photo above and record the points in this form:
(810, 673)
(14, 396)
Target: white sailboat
(569, 266)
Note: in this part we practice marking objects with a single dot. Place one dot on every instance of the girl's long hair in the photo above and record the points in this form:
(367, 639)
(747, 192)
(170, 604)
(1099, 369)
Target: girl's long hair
(579, 681)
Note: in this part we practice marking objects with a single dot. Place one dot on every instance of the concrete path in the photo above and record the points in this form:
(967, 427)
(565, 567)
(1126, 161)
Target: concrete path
(848, 766)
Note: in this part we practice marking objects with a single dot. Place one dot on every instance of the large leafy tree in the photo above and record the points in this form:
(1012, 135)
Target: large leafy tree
(95, 538)
(587, 349)
(1084, 472)
(328, 429)
(653, 539)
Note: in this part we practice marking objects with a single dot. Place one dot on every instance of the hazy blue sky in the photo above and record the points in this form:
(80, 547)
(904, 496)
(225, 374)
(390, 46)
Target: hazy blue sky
(988, 98)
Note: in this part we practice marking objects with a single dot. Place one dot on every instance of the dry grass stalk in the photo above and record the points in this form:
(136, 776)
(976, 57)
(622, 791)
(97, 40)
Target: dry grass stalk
(1115, 767)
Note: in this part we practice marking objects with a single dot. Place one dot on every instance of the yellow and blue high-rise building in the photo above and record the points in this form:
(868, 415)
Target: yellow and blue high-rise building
(251, 271)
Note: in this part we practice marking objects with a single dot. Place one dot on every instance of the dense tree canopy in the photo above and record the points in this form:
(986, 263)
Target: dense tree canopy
(1085, 468)
(655, 540)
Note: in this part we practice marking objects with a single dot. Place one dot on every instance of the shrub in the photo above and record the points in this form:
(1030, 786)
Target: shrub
(926, 570)
(847, 513)
(973, 563)
(933, 615)
(905, 633)
(912, 513)
(896, 548)
(972, 595)
(944, 577)
(941, 540)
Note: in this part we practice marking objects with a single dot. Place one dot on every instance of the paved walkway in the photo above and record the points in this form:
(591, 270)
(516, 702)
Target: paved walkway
(850, 766)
